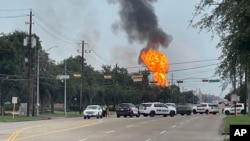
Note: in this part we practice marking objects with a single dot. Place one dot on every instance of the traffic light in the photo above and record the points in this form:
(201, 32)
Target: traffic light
(204, 80)
(214, 80)
(179, 81)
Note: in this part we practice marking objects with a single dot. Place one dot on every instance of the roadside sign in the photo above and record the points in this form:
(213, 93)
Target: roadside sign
(62, 77)
(234, 97)
(14, 100)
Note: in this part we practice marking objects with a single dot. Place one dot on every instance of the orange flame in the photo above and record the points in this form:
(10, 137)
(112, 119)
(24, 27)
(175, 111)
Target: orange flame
(157, 63)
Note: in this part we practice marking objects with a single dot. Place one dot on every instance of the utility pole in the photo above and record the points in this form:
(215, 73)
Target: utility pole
(65, 94)
(30, 99)
(81, 93)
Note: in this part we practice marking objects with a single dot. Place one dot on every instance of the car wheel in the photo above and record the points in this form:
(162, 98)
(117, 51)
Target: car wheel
(118, 116)
(88, 117)
(172, 113)
(165, 115)
(227, 113)
(84, 117)
(194, 111)
(138, 115)
(125, 115)
(131, 114)
(182, 114)
(152, 114)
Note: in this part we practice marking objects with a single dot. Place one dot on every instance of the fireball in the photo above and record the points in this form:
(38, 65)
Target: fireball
(157, 63)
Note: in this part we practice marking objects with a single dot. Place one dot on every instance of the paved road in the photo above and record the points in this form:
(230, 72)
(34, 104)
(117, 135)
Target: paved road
(189, 128)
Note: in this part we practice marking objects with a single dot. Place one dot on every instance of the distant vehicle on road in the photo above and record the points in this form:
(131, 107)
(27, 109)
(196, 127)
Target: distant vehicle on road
(207, 108)
(156, 108)
(238, 108)
(183, 110)
(127, 109)
(92, 111)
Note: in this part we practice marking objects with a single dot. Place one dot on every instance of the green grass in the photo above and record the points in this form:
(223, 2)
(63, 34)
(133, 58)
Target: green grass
(240, 119)
(9, 118)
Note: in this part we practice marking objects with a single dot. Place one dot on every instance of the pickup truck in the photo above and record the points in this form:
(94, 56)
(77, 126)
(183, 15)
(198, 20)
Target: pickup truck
(231, 110)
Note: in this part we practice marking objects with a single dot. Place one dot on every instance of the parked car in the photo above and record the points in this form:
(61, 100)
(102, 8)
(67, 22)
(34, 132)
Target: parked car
(156, 108)
(183, 110)
(207, 108)
(238, 108)
(127, 109)
(92, 111)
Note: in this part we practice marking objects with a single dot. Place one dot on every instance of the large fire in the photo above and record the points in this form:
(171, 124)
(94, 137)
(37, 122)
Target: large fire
(157, 63)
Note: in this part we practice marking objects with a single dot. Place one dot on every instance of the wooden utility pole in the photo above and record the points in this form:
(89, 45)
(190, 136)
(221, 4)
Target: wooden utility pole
(30, 99)
(81, 93)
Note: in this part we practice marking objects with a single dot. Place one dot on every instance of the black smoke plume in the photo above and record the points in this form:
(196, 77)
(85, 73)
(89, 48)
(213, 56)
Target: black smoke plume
(140, 23)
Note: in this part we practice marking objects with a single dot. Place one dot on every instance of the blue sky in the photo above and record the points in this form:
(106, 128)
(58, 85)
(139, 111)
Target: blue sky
(64, 23)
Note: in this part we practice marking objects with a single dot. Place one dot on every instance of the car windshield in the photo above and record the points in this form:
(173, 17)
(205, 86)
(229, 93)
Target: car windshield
(123, 105)
(145, 105)
(92, 107)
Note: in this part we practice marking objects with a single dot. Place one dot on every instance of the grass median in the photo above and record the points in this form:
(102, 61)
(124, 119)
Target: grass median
(47, 116)
(231, 120)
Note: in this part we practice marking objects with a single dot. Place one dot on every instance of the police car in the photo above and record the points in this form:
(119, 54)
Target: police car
(156, 108)
(207, 108)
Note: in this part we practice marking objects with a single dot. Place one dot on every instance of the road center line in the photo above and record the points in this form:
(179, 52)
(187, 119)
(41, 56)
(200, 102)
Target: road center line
(148, 140)
(110, 131)
(83, 139)
(174, 126)
(129, 126)
(162, 132)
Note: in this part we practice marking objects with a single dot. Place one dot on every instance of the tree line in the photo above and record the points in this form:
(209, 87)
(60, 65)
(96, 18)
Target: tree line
(96, 88)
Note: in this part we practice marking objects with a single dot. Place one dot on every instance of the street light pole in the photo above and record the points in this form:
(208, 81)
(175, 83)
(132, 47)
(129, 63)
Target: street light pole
(38, 80)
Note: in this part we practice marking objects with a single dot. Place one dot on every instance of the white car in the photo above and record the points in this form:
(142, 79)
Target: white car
(239, 108)
(92, 111)
(207, 108)
(156, 108)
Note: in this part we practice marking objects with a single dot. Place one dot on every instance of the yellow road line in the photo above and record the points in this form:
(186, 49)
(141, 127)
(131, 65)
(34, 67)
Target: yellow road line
(56, 131)
(13, 136)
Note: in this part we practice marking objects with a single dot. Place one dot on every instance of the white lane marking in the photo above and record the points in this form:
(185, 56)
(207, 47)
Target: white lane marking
(148, 140)
(129, 126)
(174, 126)
(110, 131)
(83, 139)
(162, 132)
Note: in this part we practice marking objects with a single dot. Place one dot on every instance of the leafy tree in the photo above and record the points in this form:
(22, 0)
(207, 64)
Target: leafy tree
(230, 20)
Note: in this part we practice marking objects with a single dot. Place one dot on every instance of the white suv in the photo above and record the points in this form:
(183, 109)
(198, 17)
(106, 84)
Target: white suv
(239, 107)
(156, 108)
(92, 111)
(207, 108)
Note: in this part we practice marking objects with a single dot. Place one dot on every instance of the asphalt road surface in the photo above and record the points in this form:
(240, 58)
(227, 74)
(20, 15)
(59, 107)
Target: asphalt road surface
(199, 127)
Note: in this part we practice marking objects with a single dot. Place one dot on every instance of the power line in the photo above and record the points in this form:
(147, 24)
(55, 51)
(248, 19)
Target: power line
(8, 17)
(54, 29)
(192, 62)
(8, 10)
(51, 33)
(193, 67)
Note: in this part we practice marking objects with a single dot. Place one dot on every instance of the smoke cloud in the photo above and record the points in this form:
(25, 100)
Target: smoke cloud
(140, 23)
